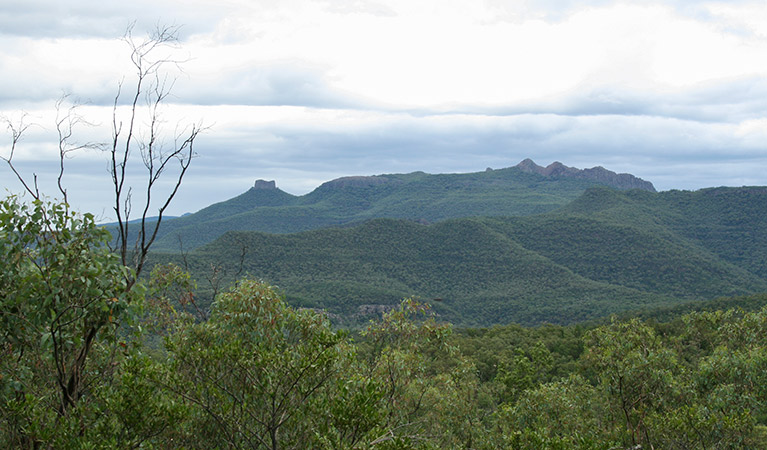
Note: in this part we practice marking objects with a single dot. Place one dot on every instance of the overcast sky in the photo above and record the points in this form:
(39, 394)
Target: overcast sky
(303, 92)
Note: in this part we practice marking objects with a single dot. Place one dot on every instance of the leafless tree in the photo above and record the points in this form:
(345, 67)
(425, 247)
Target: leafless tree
(67, 119)
(18, 128)
(70, 342)
(137, 127)
(150, 90)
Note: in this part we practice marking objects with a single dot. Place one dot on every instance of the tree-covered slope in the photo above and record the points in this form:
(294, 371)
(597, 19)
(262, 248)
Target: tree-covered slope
(515, 191)
(650, 259)
(479, 275)
(607, 252)
(730, 223)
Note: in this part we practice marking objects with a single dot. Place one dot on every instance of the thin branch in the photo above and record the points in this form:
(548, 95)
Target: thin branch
(65, 125)
(18, 129)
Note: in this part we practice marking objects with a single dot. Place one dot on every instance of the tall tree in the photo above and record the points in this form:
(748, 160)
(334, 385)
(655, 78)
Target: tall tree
(140, 129)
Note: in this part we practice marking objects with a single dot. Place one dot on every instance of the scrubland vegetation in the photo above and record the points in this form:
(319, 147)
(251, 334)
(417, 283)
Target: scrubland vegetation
(92, 359)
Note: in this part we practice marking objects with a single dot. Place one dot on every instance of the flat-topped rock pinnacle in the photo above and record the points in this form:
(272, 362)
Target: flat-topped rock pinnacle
(263, 184)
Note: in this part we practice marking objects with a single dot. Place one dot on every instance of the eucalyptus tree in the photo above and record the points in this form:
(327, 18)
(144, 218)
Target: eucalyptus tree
(68, 301)
(256, 374)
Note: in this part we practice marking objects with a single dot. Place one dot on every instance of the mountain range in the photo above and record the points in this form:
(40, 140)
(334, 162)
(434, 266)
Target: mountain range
(526, 244)
(516, 191)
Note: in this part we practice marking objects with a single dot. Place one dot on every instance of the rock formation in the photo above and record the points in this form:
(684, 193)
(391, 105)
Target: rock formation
(600, 174)
(263, 184)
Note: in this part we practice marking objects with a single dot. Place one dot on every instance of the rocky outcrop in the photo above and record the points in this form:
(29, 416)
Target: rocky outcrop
(369, 310)
(598, 174)
(263, 184)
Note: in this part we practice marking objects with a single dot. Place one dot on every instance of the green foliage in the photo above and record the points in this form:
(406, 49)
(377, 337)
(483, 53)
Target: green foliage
(566, 414)
(493, 349)
(606, 252)
(697, 383)
(135, 409)
(523, 370)
(726, 222)
(644, 256)
(255, 373)
(637, 372)
(431, 395)
(65, 310)
(259, 373)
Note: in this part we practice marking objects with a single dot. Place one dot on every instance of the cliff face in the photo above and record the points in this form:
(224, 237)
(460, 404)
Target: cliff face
(263, 184)
(600, 174)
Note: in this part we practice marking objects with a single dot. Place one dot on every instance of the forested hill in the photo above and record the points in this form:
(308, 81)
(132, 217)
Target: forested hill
(730, 223)
(517, 191)
(606, 252)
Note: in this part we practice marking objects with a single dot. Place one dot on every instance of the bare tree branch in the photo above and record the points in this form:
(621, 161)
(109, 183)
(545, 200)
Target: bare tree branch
(65, 126)
(67, 120)
(150, 92)
(18, 129)
(136, 126)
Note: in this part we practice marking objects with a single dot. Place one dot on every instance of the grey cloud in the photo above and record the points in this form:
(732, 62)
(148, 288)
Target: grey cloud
(105, 19)
(300, 84)
(725, 100)
(671, 153)
(281, 83)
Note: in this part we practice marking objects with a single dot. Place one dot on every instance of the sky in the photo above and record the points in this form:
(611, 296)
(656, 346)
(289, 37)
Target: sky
(306, 91)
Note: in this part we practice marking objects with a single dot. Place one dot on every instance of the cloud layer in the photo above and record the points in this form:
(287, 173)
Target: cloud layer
(303, 91)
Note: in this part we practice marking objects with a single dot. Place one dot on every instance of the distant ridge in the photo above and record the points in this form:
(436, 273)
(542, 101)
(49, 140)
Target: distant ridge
(598, 174)
(360, 181)
(521, 190)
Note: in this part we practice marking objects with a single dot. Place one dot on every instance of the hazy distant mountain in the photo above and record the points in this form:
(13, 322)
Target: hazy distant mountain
(517, 191)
